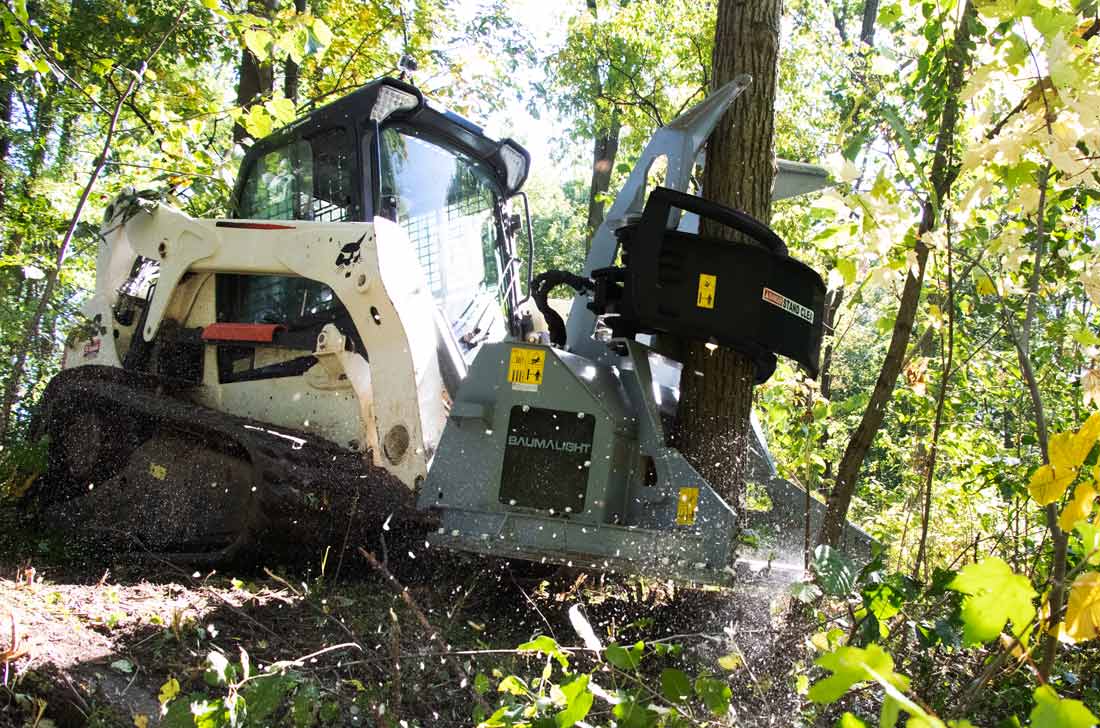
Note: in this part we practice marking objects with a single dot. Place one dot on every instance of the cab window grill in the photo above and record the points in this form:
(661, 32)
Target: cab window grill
(307, 179)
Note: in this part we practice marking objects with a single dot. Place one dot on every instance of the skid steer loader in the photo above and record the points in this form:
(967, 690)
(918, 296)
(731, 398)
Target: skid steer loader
(354, 341)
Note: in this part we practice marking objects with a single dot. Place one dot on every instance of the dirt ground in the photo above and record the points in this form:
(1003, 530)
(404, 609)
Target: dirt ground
(100, 639)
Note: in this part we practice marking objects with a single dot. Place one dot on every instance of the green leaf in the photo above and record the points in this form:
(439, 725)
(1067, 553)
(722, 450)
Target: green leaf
(578, 702)
(630, 714)
(294, 43)
(264, 696)
(481, 683)
(282, 109)
(123, 665)
(675, 685)
(851, 666)
(883, 601)
(513, 686)
(257, 122)
(258, 41)
(847, 268)
(1089, 533)
(716, 694)
(321, 32)
(805, 591)
(850, 721)
(1085, 337)
(995, 595)
(1050, 711)
(903, 133)
(624, 659)
(546, 646)
(889, 14)
(835, 571)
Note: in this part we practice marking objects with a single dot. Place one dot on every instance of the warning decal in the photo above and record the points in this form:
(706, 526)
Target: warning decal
(708, 288)
(525, 368)
(686, 505)
(778, 299)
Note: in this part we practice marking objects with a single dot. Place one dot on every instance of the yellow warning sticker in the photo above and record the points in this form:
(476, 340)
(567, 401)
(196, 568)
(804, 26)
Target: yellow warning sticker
(708, 287)
(525, 368)
(686, 506)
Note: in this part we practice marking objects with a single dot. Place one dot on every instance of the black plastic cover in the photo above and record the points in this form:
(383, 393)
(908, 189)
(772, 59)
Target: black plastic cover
(751, 298)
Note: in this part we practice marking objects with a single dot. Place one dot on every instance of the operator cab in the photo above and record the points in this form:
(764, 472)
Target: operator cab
(383, 151)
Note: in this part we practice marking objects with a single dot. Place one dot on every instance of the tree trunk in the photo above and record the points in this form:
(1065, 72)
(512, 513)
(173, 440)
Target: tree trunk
(943, 174)
(716, 384)
(937, 424)
(867, 29)
(604, 150)
(255, 79)
(6, 94)
(291, 75)
(828, 318)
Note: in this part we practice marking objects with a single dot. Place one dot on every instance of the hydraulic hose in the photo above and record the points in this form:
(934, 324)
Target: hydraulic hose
(540, 291)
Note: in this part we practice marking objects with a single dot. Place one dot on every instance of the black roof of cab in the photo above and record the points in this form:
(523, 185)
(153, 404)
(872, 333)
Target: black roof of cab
(506, 159)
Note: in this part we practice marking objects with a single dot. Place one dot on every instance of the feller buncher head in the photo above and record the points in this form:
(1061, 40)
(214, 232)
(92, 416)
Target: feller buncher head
(358, 324)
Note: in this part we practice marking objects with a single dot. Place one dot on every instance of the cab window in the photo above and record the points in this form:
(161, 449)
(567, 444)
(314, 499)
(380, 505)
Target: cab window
(306, 179)
(445, 202)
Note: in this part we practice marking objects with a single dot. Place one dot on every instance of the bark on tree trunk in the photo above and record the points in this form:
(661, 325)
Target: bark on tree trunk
(867, 29)
(6, 93)
(604, 150)
(942, 176)
(716, 384)
(832, 305)
(291, 75)
(255, 79)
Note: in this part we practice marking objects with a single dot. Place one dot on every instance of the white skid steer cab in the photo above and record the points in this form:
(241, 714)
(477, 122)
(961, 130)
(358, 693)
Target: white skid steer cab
(354, 342)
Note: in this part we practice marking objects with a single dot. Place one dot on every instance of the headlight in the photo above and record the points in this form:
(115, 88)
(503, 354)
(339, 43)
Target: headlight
(515, 166)
(389, 100)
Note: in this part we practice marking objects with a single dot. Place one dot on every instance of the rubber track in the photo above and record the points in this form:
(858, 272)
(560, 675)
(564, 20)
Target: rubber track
(302, 481)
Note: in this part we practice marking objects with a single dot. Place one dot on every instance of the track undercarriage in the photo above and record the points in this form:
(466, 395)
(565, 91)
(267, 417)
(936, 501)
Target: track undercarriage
(137, 465)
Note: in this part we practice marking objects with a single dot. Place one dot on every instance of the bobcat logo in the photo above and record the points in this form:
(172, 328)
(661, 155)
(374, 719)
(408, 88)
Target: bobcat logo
(350, 255)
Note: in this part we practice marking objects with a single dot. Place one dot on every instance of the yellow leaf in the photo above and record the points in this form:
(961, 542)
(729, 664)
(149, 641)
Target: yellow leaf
(730, 662)
(1062, 452)
(985, 286)
(1048, 484)
(141, 721)
(1090, 386)
(169, 690)
(1086, 436)
(1079, 508)
(1090, 279)
(1083, 611)
(916, 375)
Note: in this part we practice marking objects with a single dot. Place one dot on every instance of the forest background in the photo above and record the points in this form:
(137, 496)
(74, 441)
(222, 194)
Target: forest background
(963, 270)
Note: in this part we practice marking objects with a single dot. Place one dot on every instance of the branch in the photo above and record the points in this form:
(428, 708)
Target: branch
(1032, 95)
(433, 633)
